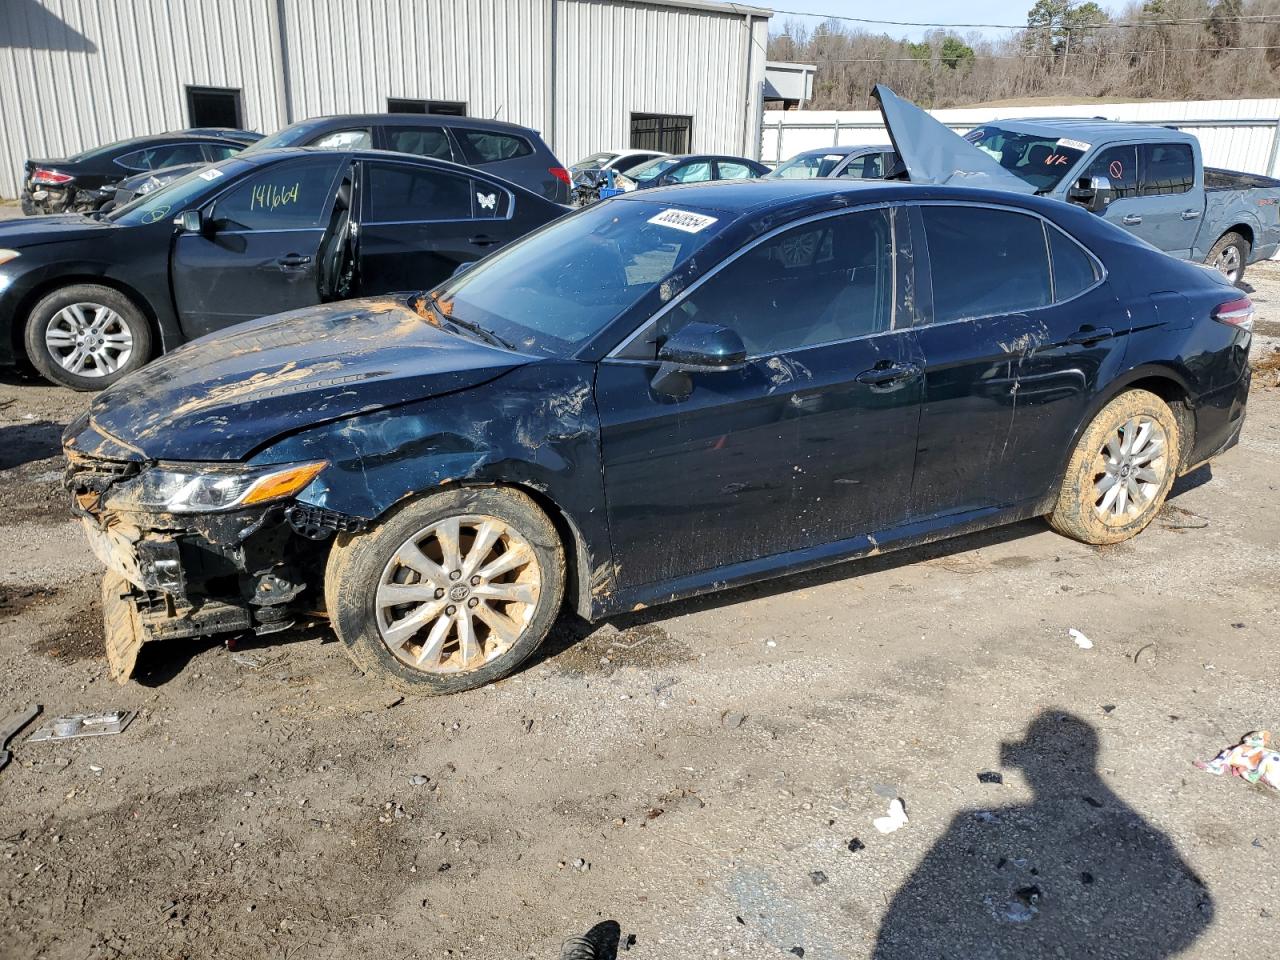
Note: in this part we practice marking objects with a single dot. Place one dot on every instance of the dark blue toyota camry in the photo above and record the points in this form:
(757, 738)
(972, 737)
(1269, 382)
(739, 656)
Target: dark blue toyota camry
(661, 395)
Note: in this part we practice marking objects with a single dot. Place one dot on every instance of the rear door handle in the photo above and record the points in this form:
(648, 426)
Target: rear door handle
(890, 373)
(1131, 220)
(293, 260)
(483, 241)
(1190, 214)
(1090, 335)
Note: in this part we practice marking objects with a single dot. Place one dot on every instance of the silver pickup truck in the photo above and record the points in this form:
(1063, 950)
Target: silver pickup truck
(1149, 180)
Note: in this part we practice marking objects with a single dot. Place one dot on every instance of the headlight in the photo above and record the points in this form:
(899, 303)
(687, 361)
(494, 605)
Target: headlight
(207, 488)
(7, 255)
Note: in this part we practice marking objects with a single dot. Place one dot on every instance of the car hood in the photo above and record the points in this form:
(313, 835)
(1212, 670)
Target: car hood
(934, 153)
(225, 395)
(30, 231)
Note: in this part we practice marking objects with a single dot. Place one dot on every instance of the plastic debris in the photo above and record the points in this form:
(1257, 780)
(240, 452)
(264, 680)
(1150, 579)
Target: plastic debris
(1252, 759)
(1083, 642)
(84, 725)
(990, 776)
(897, 817)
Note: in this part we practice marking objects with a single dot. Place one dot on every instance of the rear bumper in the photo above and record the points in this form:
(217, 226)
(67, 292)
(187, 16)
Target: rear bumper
(1219, 419)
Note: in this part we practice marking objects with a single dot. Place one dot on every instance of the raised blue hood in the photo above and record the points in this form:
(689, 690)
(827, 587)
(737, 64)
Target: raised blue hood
(225, 395)
(934, 153)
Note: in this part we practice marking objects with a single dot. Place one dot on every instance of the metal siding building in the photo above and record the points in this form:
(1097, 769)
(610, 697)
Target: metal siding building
(76, 74)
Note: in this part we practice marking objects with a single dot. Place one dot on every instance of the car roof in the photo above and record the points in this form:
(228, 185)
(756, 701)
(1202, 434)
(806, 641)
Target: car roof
(704, 156)
(1090, 130)
(843, 150)
(417, 119)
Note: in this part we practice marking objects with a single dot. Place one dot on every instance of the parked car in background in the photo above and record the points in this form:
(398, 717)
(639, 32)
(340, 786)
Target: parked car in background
(91, 298)
(130, 188)
(620, 160)
(667, 394)
(1149, 180)
(86, 181)
(855, 162)
(689, 168)
(504, 150)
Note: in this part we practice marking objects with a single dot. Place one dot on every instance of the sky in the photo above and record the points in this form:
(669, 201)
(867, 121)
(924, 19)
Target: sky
(937, 11)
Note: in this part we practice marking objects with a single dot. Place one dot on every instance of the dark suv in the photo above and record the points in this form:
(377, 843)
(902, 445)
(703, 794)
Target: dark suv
(506, 150)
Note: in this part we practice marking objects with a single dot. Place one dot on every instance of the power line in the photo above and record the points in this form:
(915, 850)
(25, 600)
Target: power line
(1259, 19)
(1042, 56)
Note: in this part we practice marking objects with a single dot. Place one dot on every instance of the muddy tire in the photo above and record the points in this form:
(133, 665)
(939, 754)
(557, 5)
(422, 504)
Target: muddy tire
(1229, 256)
(1120, 471)
(449, 592)
(87, 336)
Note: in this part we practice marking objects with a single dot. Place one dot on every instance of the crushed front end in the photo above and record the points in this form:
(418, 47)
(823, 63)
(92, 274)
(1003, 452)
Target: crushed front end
(197, 549)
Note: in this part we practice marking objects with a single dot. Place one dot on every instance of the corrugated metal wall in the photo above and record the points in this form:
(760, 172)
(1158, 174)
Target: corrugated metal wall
(615, 59)
(349, 57)
(75, 74)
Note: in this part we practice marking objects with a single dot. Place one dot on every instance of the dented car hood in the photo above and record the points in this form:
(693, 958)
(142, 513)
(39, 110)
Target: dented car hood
(934, 153)
(225, 395)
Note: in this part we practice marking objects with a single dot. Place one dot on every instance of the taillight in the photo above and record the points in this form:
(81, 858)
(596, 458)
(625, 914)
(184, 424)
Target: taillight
(560, 173)
(1238, 313)
(53, 177)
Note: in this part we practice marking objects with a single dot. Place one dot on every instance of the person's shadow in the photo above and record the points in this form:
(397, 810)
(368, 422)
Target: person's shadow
(1075, 873)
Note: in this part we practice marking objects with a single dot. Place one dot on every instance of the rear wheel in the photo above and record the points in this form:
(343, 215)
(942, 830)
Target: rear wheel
(1120, 472)
(87, 336)
(450, 592)
(1229, 256)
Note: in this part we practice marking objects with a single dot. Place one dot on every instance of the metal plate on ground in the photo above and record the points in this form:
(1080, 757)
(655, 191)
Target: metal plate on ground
(84, 725)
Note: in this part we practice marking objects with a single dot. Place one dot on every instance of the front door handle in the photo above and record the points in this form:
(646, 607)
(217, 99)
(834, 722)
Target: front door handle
(293, 260)
(1131, 220)
(1087, 335)
(483, 241)
(881, 376)
(1190, 214)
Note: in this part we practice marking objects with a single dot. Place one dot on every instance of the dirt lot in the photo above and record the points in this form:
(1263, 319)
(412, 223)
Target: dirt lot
(704, 776)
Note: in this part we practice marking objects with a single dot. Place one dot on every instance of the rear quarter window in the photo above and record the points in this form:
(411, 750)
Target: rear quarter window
(985, 262)
(486, 147)
(1074, 271)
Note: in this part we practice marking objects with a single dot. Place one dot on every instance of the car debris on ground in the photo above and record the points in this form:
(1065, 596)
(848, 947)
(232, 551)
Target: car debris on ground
(84, 725)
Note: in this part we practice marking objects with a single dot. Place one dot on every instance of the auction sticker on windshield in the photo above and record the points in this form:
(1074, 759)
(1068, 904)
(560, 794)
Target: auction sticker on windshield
(683, 220)
(1073, 144)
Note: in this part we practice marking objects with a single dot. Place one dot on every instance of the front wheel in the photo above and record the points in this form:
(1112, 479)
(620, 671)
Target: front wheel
(87, 336)
(450, 592)
(1120, 472)
(1229, 256)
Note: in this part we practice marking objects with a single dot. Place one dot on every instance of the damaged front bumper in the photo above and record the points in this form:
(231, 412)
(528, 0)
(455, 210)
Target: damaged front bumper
(193, 574)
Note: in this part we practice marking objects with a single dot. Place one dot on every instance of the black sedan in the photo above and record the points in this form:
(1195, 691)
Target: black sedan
(86, 181)
(92, 298)
(669, 393)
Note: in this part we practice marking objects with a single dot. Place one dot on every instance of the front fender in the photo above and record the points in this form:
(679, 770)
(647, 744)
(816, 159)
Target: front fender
(536, 427)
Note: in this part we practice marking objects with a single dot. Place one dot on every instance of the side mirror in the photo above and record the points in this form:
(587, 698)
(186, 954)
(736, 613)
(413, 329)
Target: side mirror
(1093, 193)
(189, 221)
(696, 348)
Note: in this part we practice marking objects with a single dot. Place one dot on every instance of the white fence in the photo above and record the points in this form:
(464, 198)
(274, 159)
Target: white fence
(1236, 134)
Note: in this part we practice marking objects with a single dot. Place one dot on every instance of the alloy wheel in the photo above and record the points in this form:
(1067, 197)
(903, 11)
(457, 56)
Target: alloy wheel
(457, 594)
(1228, 263)
(89, 339)
(1132, 467)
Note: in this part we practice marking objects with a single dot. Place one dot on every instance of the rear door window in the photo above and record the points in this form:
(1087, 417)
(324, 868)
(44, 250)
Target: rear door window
(1120, 166)
(1074, 271)
(695, 172)
(293, 195)
(423, 141)
(1167, 168)
(730, 170)
(985, 262)
(221, 151)
(483, 146)
(357, 138)
(870, 167)
(396, 193)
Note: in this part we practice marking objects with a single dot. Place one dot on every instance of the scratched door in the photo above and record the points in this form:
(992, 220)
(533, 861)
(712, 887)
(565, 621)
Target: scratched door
(260, 251)
(1014, 346)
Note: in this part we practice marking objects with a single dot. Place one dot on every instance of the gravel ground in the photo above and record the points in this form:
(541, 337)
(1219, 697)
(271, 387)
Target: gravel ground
(700, 780)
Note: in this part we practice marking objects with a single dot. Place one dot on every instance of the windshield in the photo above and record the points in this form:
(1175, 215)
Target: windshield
(290, 136)
(808, 165)
(557, 288)
(1039, 160)
(653, 169)
(171, 199)
(595, 161)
